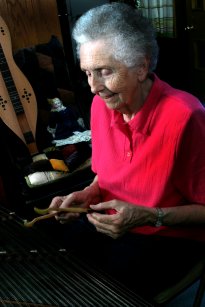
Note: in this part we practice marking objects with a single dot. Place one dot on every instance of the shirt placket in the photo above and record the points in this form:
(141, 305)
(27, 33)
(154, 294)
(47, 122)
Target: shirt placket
(128, 148)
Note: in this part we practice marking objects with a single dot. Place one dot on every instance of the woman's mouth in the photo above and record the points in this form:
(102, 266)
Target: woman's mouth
(106, 97)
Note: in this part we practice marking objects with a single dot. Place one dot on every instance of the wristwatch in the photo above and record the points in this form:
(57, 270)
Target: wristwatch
(160, 215)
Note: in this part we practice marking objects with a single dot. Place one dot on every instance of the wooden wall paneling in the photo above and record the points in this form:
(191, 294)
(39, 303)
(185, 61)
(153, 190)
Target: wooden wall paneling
(30, 22)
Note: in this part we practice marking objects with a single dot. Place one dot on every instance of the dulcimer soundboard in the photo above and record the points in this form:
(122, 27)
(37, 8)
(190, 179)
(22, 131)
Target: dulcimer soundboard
(18, 106)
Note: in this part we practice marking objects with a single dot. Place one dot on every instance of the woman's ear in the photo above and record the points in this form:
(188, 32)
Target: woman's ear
(143, 70)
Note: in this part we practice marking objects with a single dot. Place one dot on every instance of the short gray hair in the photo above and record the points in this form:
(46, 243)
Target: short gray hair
(129, 35)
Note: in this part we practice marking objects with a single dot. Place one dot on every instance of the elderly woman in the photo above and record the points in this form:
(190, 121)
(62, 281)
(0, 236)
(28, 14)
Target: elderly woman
(148, 154)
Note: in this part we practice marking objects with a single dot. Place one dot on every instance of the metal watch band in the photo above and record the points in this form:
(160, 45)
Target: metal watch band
(160, 215)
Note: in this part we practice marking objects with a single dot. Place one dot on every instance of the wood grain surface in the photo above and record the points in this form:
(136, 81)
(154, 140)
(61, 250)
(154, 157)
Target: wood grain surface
(30, 22)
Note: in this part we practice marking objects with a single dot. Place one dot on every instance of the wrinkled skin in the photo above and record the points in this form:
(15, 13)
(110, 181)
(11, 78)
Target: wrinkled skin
(126, 215)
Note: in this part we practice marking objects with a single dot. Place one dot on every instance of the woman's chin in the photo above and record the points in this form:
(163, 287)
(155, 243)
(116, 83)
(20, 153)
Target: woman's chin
(113, 104)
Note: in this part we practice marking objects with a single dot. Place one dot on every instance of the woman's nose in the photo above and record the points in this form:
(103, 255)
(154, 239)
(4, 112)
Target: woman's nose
(95, 83)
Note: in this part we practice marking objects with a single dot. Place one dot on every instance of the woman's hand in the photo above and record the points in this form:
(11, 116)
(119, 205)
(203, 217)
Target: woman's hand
(75, 199)
(83, 199)
(126, 217)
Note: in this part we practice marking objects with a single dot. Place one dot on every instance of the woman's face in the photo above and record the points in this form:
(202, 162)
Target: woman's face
(119, 86)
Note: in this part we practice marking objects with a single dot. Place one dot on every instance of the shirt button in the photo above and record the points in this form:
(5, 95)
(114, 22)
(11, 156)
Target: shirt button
(128, 154)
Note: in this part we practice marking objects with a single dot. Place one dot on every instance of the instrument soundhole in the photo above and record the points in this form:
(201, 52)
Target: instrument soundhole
(3, 103)
(26, 95)
(2, 30)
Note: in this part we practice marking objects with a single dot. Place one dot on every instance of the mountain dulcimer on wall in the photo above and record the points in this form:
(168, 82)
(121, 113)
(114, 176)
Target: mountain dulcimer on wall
(18, 107)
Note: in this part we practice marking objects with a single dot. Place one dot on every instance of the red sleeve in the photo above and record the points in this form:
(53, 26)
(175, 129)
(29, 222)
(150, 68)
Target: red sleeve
(190, 159)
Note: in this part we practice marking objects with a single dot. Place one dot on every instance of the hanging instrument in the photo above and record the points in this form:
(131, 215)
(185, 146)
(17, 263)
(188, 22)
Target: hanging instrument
(18, 107)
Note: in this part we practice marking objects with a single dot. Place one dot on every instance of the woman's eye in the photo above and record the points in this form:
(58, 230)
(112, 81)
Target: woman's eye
(87, 73)
(106, 72)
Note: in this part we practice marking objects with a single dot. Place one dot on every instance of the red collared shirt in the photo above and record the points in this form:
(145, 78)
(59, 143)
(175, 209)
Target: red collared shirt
(157, 158)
